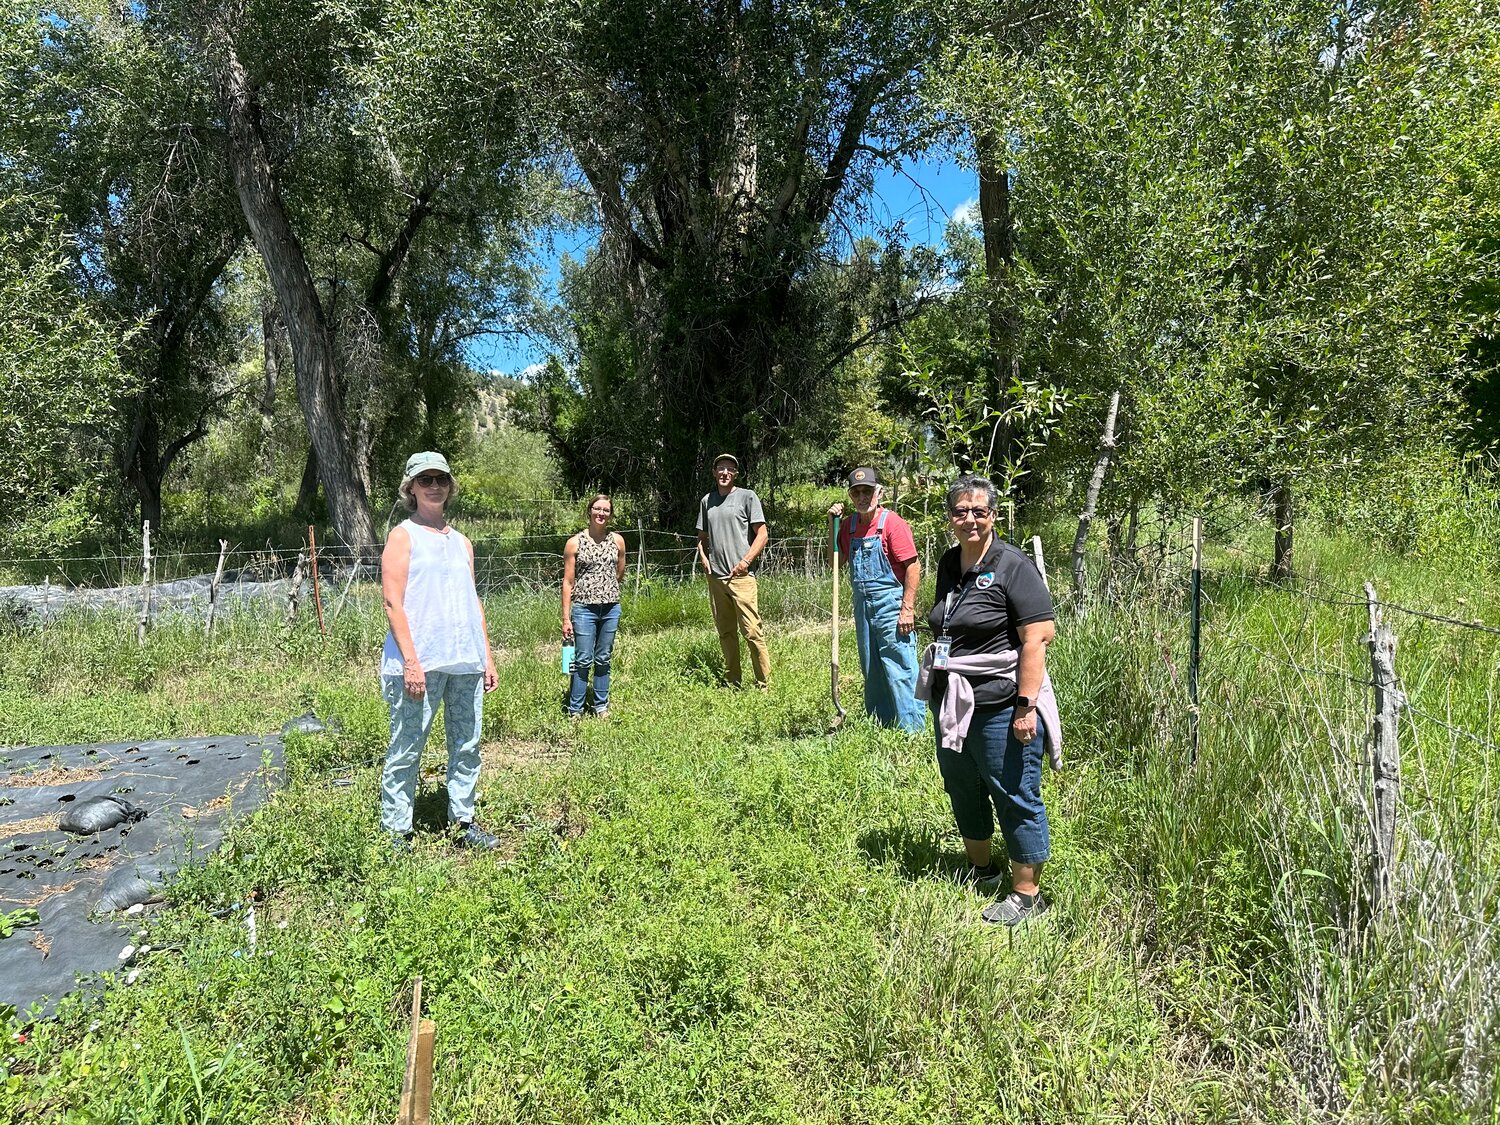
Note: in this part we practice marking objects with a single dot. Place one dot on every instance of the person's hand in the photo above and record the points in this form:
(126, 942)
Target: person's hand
(703, 562)
(416, 680)
(836, 510)
(906, 621)
(741, 569)
(568, 630)
(1023, 723)
(491, 677)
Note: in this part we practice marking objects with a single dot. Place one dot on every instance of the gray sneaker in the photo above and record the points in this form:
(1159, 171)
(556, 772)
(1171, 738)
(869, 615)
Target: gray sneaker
(985, 878)
(1015, 908)
(399, 842)
(472, 836)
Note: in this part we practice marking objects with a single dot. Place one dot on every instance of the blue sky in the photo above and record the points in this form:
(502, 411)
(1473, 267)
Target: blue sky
(923, 194)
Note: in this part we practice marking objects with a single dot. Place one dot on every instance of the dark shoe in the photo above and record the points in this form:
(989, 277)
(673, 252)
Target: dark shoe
(985, 878)
(472, 836)
(400, 842)
(1015, 908)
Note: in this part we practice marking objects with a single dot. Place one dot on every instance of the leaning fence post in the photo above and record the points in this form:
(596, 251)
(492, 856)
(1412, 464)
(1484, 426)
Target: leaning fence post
(1385, 751)
(640, 556)
(296, 587)
(1041, 563)
(1195, 631)
(144, 622)
(353, 570)
(213, 588)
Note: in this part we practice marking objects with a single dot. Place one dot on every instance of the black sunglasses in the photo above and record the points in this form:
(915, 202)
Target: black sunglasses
(428, 480)
(963, 513)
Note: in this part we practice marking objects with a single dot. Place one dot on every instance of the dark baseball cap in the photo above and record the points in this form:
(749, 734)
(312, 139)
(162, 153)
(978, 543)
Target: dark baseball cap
(864, 477)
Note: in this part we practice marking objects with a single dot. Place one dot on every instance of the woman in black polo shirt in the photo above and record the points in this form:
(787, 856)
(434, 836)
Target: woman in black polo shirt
(986, 677)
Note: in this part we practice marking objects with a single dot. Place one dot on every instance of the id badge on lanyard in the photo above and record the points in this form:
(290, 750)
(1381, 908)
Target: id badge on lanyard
(943, 643)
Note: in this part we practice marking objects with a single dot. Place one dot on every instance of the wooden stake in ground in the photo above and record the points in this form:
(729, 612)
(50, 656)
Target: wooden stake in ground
(1385, 751)
(1041, 563)
(1195, 629)
(145, 619)
(213, 588)
(416, 1087)
(312, 546)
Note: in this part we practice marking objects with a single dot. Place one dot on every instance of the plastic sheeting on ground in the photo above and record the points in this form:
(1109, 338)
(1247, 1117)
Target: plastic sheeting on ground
(182, 595)
(81, 884)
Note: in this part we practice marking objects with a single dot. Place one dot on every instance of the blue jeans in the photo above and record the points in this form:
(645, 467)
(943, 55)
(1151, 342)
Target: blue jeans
(995, 772)
(461, 695)
(593, 643)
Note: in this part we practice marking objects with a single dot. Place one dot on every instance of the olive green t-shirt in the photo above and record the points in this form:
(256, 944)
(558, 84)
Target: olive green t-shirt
(728, 520)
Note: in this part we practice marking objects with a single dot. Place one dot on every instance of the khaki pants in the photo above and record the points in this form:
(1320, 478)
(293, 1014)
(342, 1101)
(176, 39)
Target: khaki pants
(736, 607)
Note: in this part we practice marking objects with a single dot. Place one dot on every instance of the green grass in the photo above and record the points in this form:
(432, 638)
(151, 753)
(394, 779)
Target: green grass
(709, 909)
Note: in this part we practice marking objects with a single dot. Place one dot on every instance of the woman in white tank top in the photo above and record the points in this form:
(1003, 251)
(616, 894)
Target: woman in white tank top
(437, 652)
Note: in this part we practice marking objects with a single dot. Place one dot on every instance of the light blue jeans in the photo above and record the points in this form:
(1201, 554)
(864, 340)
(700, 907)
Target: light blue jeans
(594, 629)
(461, 695)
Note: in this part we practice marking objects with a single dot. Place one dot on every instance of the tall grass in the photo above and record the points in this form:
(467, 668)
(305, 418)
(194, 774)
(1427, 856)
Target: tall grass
(709, 909)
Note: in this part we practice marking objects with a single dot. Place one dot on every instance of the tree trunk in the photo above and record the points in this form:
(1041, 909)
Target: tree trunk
(269, 322)
(1281, 556)
(307, 491)
(1091, 502)
(313, 352)
(998, 230)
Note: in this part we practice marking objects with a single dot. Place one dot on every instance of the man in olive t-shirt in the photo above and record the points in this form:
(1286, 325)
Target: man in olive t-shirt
(731, 535)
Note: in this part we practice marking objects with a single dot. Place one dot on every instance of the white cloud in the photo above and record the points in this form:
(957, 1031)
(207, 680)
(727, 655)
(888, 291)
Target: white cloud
(967, 211)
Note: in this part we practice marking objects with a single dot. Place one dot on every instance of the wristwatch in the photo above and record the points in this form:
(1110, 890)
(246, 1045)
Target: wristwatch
(1025, 701)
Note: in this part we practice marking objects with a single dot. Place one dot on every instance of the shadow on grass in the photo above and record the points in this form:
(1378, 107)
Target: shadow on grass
(918, 854)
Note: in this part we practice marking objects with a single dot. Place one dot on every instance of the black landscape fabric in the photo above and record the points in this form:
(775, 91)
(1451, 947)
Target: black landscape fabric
(81, 883)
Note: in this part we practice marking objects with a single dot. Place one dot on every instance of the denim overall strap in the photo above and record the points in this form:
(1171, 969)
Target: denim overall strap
(869, 570)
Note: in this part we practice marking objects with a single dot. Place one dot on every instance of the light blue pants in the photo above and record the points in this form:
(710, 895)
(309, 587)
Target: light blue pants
(461, 695)
(594, 629)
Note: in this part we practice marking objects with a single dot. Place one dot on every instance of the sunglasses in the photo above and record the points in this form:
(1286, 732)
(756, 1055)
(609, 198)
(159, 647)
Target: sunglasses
(965, 513)
(430, 480)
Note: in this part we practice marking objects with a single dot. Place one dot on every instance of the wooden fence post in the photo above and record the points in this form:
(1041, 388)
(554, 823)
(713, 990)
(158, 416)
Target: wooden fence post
(640, 555)
(144, 623)
(213, 588)
(312, 546)
(296, 587)
(1041, 563)
(1385, 752)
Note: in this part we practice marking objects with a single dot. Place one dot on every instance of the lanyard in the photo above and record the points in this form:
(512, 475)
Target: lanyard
(951, 604)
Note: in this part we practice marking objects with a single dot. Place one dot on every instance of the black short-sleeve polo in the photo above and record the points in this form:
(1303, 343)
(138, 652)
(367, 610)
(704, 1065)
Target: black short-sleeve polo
(990, 603)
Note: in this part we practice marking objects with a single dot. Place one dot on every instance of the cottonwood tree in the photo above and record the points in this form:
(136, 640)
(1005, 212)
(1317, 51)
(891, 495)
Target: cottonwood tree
(118, 137)
(724, 145)
(349, 147)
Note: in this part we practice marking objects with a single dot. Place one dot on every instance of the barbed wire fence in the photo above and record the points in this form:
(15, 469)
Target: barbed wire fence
(281, 582)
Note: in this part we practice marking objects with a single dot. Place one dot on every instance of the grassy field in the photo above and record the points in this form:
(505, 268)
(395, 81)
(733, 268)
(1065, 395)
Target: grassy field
(709, 909)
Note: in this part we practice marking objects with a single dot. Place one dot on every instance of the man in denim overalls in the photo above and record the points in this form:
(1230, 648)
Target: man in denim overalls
(884, 571)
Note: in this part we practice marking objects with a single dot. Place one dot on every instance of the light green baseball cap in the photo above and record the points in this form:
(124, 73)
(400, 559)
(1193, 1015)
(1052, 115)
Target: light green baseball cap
(424, 462)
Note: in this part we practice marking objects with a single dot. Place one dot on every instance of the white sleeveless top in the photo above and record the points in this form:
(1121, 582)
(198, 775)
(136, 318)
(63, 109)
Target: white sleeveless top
(442, 606)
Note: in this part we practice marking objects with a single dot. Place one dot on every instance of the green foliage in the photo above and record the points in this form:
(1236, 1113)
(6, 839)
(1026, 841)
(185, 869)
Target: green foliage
(59, 370)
